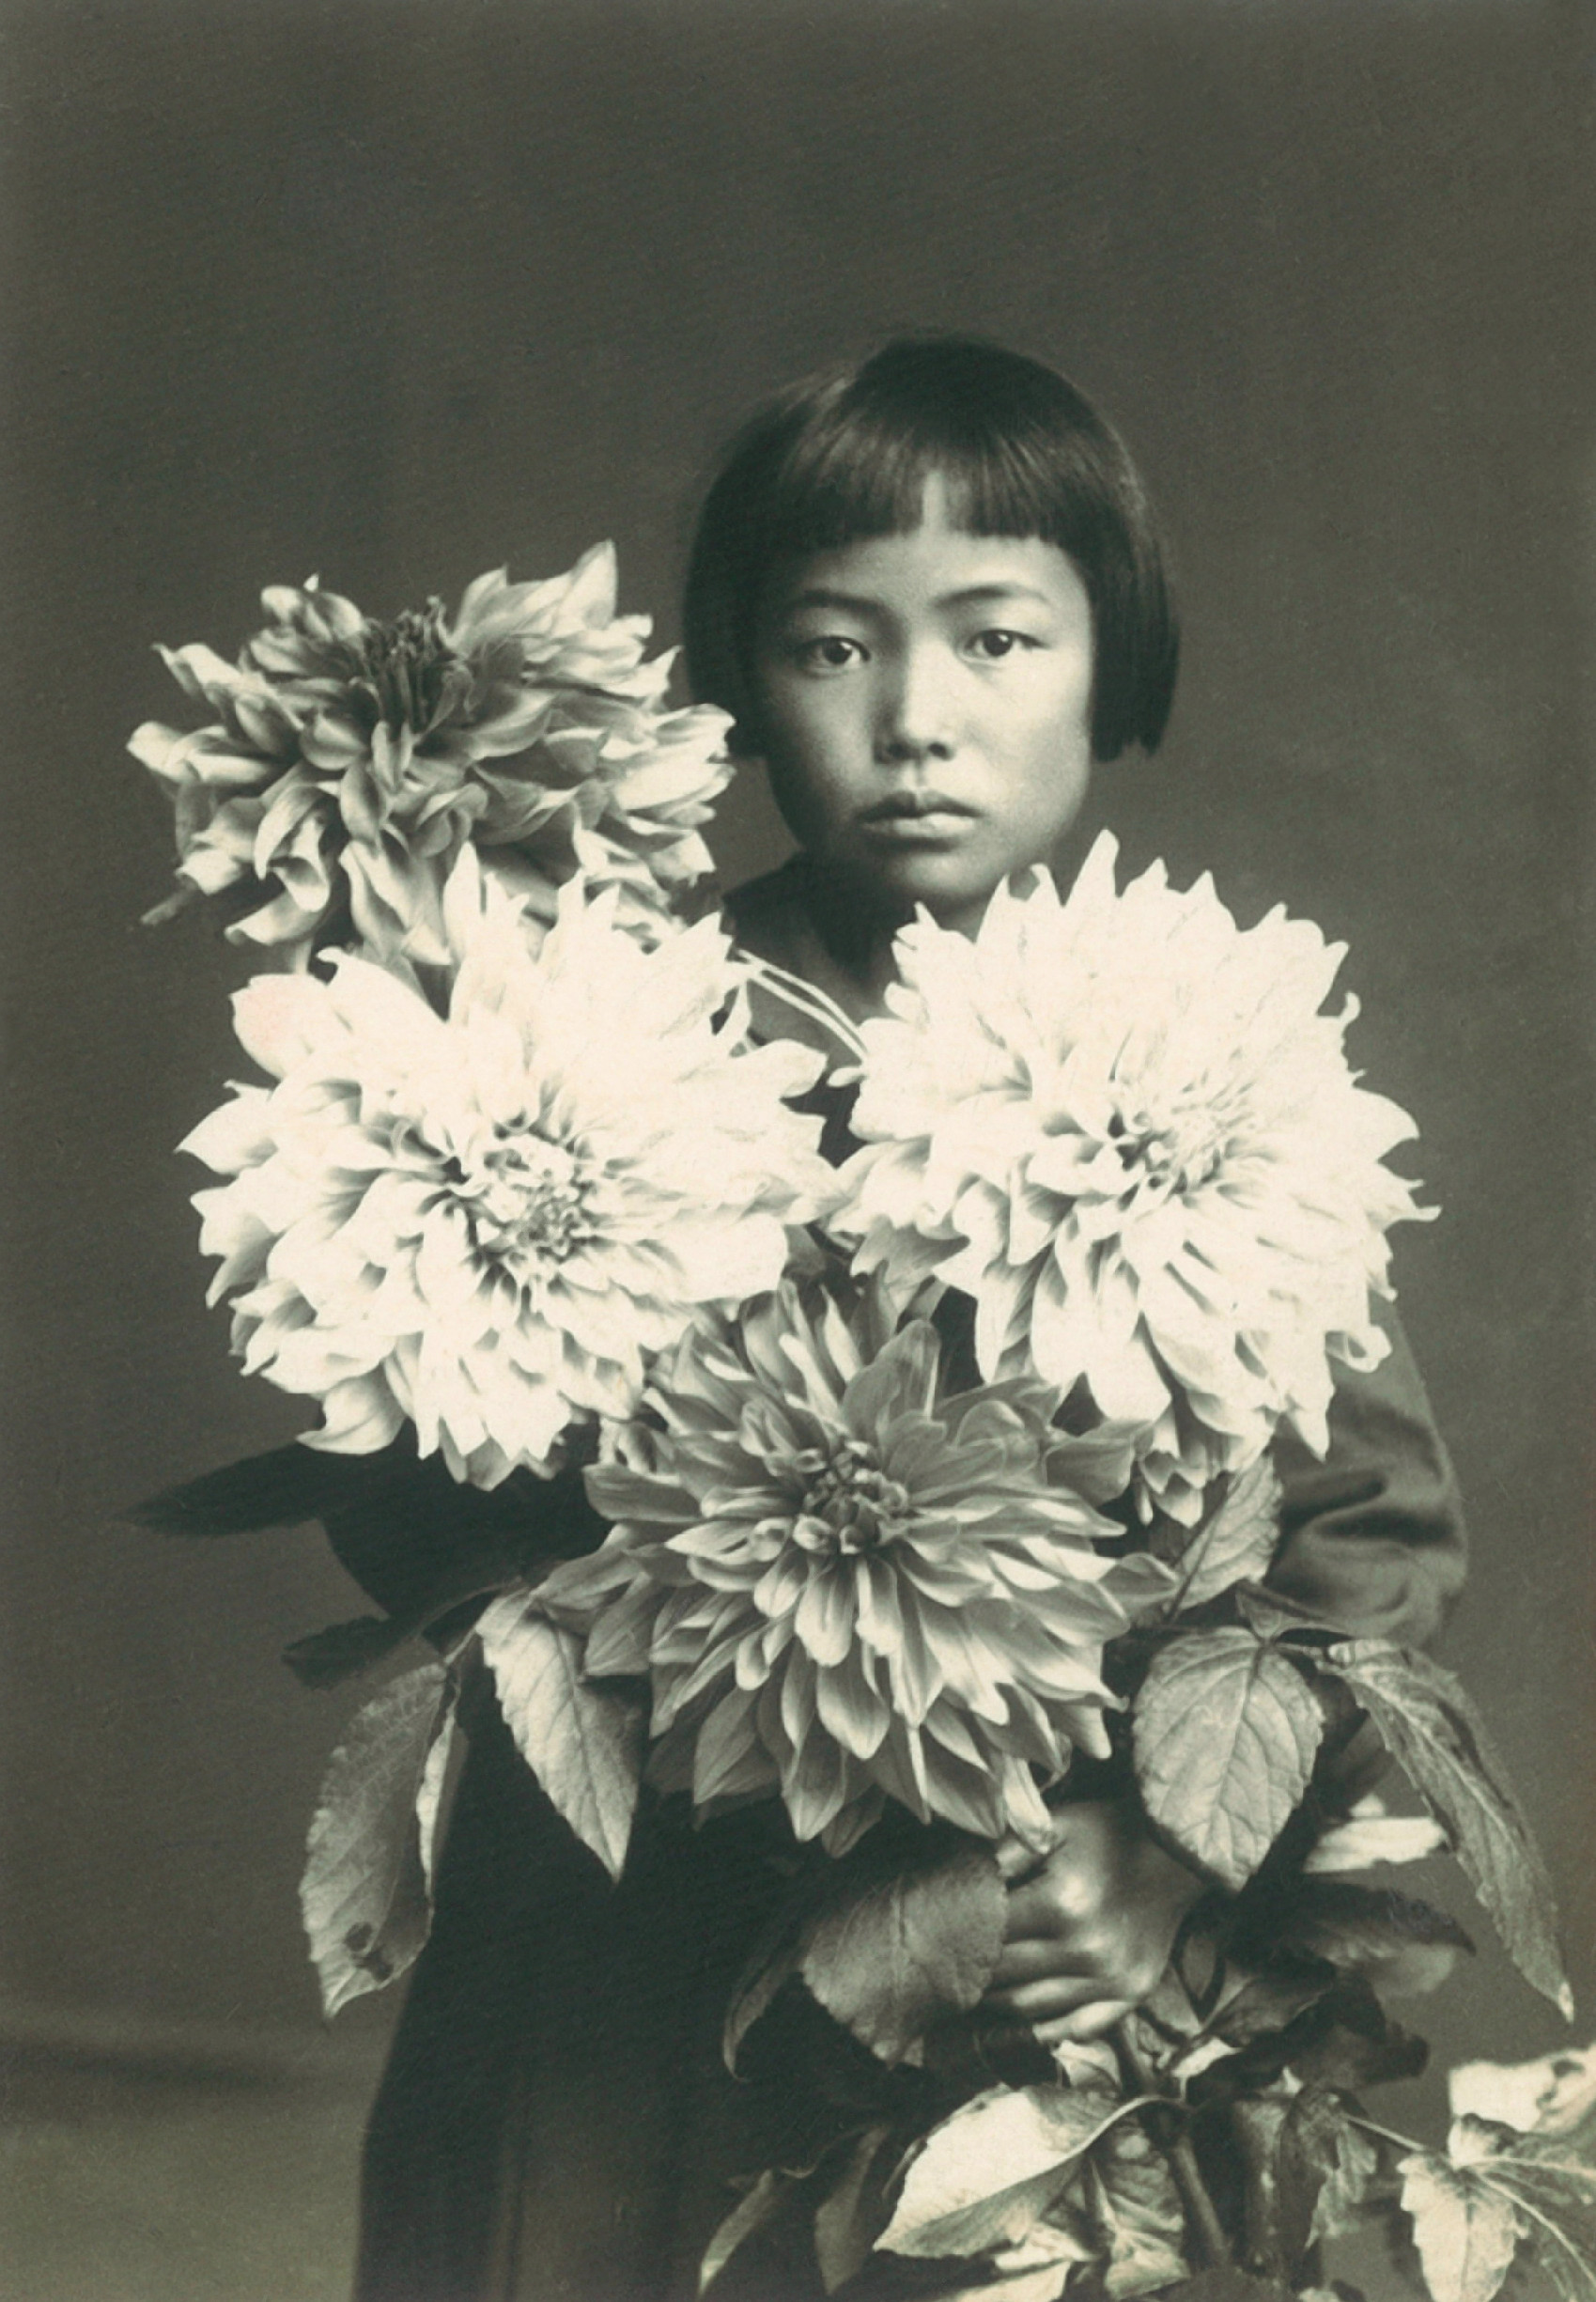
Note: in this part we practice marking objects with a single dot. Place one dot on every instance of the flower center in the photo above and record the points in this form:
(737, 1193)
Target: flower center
(527, 1200)
(407, 664)
(849, 1503)
(1173, 1155)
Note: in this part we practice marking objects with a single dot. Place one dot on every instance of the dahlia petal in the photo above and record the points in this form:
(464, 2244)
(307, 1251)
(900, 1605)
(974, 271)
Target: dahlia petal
(825, 1618)
(850, 1709)
(360, 1416)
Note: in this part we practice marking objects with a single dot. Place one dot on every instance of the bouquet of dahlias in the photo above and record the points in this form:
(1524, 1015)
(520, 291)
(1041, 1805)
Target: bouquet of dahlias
(907, 1500)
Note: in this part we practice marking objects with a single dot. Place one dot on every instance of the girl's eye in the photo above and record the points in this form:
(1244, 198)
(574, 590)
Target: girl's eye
(994, 646)
(830, 653)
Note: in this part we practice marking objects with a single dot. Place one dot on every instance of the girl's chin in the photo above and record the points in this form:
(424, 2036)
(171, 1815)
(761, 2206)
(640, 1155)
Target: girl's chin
(955, 899)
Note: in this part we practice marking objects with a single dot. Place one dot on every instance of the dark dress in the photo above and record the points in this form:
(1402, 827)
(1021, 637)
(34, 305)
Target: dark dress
(556, 2124)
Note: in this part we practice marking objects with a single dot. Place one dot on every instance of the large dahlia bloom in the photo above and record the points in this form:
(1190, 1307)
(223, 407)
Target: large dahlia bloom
(489, 1223)
(845, 1586)
(1122, 1125)
(346, 761)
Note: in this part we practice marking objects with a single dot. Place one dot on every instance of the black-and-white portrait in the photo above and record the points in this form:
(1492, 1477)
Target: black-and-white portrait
(947, 1538)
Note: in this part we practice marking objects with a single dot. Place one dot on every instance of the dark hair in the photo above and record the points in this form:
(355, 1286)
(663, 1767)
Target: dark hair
(844, 455)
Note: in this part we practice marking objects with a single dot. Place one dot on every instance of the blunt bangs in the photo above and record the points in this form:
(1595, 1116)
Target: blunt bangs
(846, 456)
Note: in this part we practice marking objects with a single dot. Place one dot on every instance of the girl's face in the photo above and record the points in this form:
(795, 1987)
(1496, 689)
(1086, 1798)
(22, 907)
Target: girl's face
(927, 704)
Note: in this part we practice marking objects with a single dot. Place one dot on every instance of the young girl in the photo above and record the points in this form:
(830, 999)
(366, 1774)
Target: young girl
(930, 593)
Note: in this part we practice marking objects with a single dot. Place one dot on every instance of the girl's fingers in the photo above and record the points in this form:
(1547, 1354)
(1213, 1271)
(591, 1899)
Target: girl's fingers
(1045, 2001)
(1089, 2021)
(1033, 1962)
(1056, 1905)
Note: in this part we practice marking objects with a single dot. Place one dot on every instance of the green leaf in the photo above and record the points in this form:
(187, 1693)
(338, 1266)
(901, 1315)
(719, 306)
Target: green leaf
(890, 1954)
(764, 2199)
(1235, 1543)
(984, 2178)
(1137, 2214)
(366, 1894)
(1467, 2231)
(1225, 1731)
(583, 1742)
(1434, 1734)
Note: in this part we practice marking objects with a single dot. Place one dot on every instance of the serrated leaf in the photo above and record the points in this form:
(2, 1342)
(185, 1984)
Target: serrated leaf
(899, 1932)
(1465, 2231)
(1225, 1731)
(1549, 2185)
(1328, 2167)
(1403, 1947)
(1266, 2002)
(366, 1893)
(1137, 2212)
(583, 1742)
(984, 2178)
(891, 1953)
(763, 2198)
(1235, 1543)
(1343, 2041)
(1434, 1734)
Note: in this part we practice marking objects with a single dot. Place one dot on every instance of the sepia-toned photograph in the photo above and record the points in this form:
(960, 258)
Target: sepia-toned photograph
(797, 1095)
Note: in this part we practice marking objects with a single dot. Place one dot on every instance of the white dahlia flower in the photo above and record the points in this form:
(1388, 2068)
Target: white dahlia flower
(347, 761)
(845, 1586)
(1122, 1125)
(490, 1223)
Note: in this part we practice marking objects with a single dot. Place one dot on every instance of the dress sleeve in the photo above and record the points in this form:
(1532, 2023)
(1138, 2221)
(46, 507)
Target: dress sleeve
(1372, 1536)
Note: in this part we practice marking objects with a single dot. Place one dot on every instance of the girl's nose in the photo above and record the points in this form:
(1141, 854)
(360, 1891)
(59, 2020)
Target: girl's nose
(917, 708)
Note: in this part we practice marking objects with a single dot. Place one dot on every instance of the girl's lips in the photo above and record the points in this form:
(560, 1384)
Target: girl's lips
(910, 803)
(916, 819)
(935, 828)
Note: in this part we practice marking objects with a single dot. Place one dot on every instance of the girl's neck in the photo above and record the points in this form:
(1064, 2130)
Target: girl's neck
(849, 934)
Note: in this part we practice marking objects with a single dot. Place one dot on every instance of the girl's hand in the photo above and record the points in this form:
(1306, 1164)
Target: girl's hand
(1091, 1925)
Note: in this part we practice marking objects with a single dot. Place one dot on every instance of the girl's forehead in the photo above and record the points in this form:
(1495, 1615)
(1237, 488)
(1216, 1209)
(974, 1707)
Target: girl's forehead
(937, 561)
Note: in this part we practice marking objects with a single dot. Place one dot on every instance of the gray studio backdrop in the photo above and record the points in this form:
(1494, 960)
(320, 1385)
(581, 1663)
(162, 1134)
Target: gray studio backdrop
(397, 292)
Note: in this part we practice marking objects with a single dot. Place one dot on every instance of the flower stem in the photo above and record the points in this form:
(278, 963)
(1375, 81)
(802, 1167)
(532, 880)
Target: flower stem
(1201, 2212)
(1385, 2134)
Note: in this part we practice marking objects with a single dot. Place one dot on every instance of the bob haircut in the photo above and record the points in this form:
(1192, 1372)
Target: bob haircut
(844, 455)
